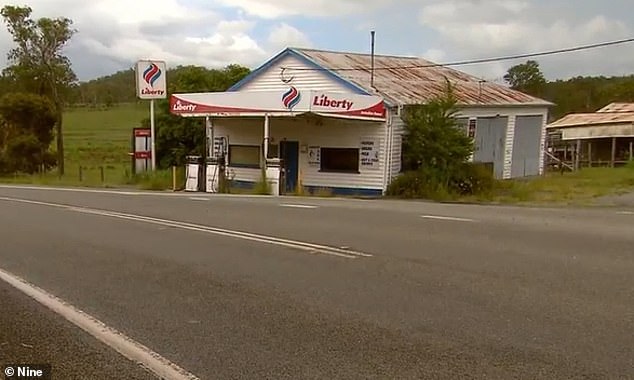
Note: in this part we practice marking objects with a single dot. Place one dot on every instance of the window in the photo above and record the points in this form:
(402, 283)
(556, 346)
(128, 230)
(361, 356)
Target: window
(342, 160)
(246, 156)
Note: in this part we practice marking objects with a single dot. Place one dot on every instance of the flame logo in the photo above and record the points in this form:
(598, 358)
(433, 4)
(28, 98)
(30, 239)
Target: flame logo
(291, 98)
(151, 74)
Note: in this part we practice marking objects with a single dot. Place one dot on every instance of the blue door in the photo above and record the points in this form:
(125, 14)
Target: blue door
(289, 152)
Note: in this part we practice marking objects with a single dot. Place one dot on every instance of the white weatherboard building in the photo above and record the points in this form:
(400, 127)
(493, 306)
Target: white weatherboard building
(335, 121)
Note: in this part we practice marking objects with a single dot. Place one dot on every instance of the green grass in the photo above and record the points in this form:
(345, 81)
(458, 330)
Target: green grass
(95, 137)
(583, 187)
(97, 140)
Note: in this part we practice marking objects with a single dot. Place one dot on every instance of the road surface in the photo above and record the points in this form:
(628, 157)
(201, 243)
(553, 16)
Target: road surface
(238, 287)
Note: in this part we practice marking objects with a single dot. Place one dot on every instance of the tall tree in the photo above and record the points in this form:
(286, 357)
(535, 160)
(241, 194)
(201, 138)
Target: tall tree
(526, 77)
(37, 62)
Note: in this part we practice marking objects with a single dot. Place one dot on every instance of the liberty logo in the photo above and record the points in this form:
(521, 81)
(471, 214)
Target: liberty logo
(151, 74)
(291, 98)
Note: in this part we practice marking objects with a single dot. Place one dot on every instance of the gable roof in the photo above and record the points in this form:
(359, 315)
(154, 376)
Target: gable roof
(618, 107)
(615, 113)
(354, 88)
(402, 80)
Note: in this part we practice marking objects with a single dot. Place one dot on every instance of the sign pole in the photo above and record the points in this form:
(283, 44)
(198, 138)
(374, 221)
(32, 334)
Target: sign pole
(153, 135)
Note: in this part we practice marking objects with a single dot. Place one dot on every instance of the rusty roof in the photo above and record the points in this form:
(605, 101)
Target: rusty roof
(593, 119)
(618, 107)
(411, 80)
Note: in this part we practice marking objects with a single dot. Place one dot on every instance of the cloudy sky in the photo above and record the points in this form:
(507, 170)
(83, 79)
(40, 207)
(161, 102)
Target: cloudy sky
(112, 34)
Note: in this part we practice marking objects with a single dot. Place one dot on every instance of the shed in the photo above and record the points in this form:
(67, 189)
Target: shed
(305, 97)
(604, 137)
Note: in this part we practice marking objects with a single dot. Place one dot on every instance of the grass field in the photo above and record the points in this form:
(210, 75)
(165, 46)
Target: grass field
(98, 141)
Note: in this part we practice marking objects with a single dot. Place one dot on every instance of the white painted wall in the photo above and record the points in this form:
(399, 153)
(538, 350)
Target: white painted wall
(312, 79)
(512, 113)
(398, 128)
(334, 133)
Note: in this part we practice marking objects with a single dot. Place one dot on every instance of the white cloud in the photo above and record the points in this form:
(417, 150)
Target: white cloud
(284, 35)
(112, 34)
(477, 29)
(272, 9)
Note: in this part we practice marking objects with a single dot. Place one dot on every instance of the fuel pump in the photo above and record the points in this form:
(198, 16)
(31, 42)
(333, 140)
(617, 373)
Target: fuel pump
(216, 167)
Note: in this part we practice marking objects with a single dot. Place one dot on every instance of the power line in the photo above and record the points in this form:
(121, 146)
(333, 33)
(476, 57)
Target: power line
(476, 61)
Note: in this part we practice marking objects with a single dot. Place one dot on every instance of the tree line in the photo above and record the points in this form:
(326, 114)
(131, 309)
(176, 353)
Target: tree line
(579, 94)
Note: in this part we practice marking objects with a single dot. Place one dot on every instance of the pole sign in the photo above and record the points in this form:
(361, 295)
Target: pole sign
(141, 149)
(151, 80)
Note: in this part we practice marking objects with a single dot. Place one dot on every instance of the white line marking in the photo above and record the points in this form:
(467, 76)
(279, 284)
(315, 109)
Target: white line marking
(447, 218)
(297, 206)
(127, 347)
(625, 212)
(304, 246)
(199, 199)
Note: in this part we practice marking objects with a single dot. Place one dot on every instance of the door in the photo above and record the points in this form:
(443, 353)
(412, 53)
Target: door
(490, 142)
(527, 146)
(289, 153)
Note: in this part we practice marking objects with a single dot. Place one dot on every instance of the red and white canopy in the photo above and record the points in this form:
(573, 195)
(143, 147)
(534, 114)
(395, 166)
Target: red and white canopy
(279, 103)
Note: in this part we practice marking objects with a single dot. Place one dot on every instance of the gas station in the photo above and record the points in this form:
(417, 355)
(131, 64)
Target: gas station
(282, 134)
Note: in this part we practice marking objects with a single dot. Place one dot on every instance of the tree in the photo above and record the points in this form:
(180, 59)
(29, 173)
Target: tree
(26, 132)
(433, 138)
(436, 154)
(526, 77)
(37, 63)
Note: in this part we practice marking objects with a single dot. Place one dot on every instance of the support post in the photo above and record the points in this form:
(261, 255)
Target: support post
(266, 138)
(613, 157)
(589, 154)
(153, 134)
(173, 178)
(631, 151)
(578, 155)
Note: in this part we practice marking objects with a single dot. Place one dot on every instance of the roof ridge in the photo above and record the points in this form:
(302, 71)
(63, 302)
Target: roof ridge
(359, 53)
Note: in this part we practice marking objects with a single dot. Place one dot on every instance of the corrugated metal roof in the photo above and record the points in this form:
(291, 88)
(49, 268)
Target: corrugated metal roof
(618, 107)
(593, 119)
(411, 80)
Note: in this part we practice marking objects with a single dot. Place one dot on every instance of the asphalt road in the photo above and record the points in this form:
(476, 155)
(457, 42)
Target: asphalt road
(439, 291)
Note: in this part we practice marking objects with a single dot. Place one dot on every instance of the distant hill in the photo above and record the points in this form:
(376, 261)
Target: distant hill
(587, 94)
(116, 88)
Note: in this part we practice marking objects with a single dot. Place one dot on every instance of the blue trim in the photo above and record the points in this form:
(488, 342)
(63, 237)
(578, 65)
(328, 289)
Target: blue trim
(289, 51)
(347, 191)
(341, 191)
(244, 185)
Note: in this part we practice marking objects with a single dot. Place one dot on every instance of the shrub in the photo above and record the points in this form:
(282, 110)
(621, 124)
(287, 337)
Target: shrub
(437, 184)
(472, 179)
(421, 183)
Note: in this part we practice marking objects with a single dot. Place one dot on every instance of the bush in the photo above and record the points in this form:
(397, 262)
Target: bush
(421, 183)
(437, 184)
(472, 179)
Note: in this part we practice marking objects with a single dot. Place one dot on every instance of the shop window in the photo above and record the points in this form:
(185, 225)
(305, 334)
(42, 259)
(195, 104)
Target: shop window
(245, 156)
(341, 160)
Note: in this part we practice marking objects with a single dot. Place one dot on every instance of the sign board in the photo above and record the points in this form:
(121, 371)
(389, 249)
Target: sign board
(314, 156)
(369, 155)
(141, 149)
(286, 102)
(220, 146)
(151, 82)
